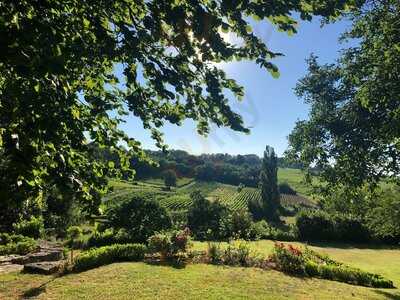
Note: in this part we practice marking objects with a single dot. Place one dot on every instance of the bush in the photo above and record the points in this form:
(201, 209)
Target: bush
(170, 244)
(99, 239)
(285, 188)
(292, 260)
(321, 226)
(289, 259)
(214, 253)
(169, 178)
(237, 225)
(139, 217)
(315, 226)
(108, 254)
(262, 230)
(74, 232)
(236, 256)
(232, 255)
(16, 244)
(33, 227)
(205, 217)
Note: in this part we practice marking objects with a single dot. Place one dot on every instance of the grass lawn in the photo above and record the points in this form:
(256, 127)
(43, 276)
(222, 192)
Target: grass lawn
(381, 260)
(144, 281)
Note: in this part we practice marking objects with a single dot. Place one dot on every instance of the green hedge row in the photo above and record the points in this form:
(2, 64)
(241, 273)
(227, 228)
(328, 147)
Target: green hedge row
(97, 257)
(347, 274)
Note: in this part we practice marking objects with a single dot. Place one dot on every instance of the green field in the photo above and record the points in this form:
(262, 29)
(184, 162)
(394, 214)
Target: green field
(199, 281)
(179, 197)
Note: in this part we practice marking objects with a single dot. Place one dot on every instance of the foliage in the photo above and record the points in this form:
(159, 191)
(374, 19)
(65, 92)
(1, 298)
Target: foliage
(169, 178)
(97, 257)
(204, 217)
(16, 244)
(382, 217)
(59, 89)
(139, 217)
(352, 132)
(263, 230)
(170, 244)
(99, 239)
(74, 232)
(292, 260)
(237, 225)
(289, 259)
(270, 204)
(232, 255)
(285, 188)
(33, 227)
(322, 226)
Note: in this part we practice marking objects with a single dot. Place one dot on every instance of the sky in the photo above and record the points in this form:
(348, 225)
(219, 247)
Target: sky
(270, 108)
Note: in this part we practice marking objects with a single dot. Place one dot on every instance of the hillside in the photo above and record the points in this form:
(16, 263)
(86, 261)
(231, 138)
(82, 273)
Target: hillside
(178, 198)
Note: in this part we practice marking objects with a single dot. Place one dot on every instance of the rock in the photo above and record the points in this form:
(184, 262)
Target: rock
(38, 257)
(44, 267)
(8, 268)
(7, 259)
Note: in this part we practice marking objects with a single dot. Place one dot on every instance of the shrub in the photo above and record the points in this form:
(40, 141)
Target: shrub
(33, 227)
(289, 259)
(108, 254)
(214, 253)
(139, 217)
(315, 226)
(99, 239)
(292, 260)
(350, 229)
(232, 255)
(285, 188)
(237, 225)
(262, 230)
(74, 232)
(322, 226)
(205, 217)
(16, 244)
(237, 255)
(169, 178)
(170, 244)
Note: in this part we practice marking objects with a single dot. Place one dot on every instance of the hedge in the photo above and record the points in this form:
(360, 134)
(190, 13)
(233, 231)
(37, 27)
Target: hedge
(97, 257)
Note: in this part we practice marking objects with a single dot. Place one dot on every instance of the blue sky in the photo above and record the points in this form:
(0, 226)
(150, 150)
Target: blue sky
(270, 106)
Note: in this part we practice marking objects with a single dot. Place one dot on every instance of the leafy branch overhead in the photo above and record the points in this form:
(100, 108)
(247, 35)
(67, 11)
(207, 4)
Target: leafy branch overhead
(59, 89)
(352, 135)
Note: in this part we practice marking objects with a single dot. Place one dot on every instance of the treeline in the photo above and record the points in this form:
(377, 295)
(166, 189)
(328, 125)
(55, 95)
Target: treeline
(224, 168)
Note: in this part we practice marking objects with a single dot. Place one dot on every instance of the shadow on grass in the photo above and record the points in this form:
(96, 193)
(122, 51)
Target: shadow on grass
(388, 295)
(174, 263)
(36, 291)
(352, 245)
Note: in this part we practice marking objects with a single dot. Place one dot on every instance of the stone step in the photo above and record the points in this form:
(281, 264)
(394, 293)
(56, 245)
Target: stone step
(44, 267)
(8, 268)
(38, 257)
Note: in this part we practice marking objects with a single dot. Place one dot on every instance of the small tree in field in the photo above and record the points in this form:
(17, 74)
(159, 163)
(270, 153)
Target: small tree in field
(169, 178)
(269, 184)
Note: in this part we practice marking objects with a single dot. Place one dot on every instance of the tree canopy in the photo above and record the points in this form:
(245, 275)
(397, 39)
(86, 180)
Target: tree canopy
(353, 130)
(269, 184)
(59, 93)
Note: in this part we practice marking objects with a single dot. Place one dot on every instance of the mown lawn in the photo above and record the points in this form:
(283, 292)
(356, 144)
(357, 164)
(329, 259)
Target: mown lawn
(144, 281)
(380, 259)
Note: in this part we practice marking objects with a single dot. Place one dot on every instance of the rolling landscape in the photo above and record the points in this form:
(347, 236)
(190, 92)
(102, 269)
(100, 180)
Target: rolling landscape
(202, 149)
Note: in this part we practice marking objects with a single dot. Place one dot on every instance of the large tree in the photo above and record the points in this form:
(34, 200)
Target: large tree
(352, 134)
(269, 185)
(59, 91)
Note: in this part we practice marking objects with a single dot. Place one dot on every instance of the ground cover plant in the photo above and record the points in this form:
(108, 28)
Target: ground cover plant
(16, 244)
